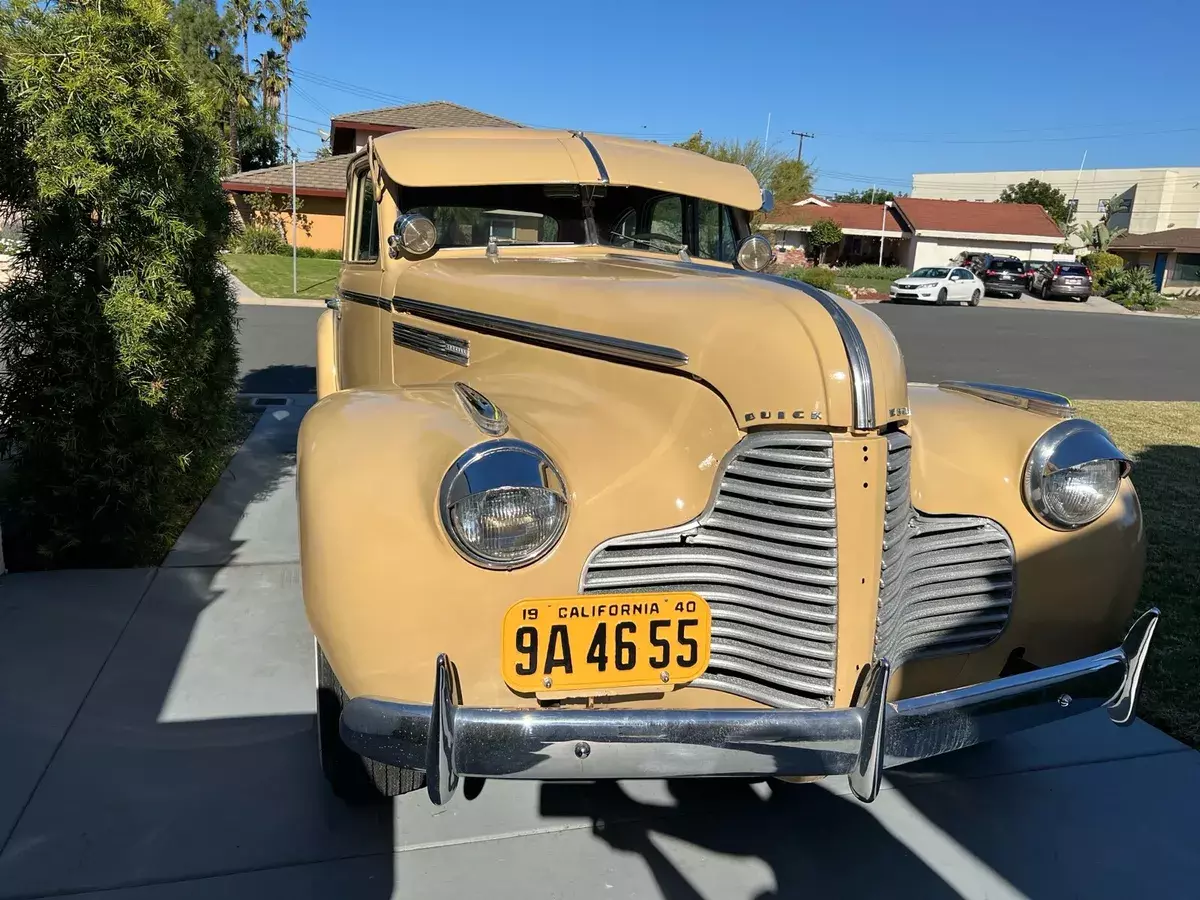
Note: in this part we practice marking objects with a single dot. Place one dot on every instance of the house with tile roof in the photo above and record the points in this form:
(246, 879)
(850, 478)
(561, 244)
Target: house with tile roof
(919, 232)
(321, 183)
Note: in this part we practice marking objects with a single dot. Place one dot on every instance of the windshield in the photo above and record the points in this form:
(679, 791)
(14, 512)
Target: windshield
(631, 217)
(1072, 270)
(1006, 265)
(930, 273)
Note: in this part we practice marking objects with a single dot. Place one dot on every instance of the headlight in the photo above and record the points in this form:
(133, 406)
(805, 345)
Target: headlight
(755, 253)
(503, 504)
(414, 234)
(1073, 474)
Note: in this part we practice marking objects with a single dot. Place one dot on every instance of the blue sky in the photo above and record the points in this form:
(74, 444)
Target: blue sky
(889, 88)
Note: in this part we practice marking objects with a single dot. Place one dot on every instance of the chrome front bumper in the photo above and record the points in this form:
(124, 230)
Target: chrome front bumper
(448, 741)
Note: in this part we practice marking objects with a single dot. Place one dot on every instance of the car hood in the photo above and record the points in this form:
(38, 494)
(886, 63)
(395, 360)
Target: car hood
(770, 350)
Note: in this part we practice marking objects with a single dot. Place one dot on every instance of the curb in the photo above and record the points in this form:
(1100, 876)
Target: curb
(281, 301)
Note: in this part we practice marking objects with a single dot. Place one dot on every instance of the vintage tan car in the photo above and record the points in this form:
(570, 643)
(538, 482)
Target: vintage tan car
(589, 495)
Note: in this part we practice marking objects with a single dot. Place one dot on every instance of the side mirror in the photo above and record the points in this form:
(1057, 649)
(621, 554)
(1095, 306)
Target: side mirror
(768, 200)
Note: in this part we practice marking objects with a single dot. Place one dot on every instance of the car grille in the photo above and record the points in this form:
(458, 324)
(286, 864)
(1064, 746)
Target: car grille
(764, 555)
(946, 584)
(907, 295)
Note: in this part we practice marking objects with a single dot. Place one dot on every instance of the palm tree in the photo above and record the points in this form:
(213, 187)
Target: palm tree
(288, 25)
(247, 15)
(239, 93)
(272, 81)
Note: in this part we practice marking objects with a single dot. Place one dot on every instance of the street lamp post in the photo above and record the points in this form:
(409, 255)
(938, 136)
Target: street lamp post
(883, 225)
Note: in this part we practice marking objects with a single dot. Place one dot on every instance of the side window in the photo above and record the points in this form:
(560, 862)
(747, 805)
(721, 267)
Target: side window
(962, 273)
(366, 219)
(716, 238)
(626, 226)
(666, 217)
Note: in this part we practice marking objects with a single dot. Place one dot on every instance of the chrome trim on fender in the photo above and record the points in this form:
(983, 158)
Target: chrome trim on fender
(488, 418)
(544, 335)
(600, 167)
(1022, 398)
(366, 299)
(432, 343)
(861, 380)
(449, 741)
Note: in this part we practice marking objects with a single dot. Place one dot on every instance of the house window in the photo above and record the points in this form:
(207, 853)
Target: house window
(1073, 204)
(502, 230)
(365, 221)
(1186, 271)
(1101, 206)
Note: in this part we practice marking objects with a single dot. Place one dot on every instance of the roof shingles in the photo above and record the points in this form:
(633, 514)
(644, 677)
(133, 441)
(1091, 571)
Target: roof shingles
(859, 216)
(977, 217)
(434, 114)
(320, 176)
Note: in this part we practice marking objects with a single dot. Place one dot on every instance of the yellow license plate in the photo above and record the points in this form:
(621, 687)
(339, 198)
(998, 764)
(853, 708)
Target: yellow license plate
(605, 641)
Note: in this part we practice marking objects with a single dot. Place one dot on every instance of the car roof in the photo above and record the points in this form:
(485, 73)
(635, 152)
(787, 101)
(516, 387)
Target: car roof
(446, 157)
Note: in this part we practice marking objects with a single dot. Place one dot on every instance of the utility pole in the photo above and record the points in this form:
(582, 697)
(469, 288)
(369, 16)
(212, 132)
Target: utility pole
(800, 147)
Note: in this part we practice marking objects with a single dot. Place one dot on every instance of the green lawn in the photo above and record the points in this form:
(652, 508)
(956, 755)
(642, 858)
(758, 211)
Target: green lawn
(271, 275)
(1164, 441)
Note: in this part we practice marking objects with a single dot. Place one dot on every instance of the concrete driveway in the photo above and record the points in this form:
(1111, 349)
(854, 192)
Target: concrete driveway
(1094, 303)
(157, 741)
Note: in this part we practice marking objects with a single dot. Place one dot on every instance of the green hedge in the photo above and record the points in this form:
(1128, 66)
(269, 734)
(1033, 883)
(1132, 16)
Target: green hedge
(118, 328)
(817, 276)
(875, 273)
(1102, 262)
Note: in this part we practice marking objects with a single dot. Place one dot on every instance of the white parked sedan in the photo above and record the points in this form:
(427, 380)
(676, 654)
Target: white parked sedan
(938, 285)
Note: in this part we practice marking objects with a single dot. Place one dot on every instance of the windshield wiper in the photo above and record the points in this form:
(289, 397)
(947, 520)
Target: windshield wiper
(652, 243)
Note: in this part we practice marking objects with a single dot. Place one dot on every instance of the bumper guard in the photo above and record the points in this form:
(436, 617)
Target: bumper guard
(447, 740)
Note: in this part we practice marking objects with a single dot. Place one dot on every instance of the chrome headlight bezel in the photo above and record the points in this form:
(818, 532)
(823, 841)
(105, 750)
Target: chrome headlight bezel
(754, 254)
(1068, 444)
(496, 464)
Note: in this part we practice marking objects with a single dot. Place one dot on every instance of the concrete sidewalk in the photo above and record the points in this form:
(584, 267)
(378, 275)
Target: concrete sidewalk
(157, 740)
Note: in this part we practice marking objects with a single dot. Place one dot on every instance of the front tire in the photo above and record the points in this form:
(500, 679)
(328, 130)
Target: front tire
(353, 778)
(941, 297)
(1045, 290)
(975, 297)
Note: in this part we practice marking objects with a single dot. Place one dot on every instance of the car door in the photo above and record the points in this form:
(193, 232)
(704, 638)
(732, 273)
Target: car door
(961, 284)
(359, 282)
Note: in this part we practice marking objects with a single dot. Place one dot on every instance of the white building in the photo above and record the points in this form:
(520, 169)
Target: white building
(1153, 199)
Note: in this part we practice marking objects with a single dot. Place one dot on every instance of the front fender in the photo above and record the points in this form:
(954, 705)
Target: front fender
(384, 589)
(1074, 591)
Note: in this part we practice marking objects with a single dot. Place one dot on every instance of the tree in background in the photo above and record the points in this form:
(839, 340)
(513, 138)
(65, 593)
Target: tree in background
(288, 24)
(824, 233)
(1048, 197)
(269, 72)
(118, 327)
(1096, 238)
(788, 179)
(792, 180)
(870, 195)
(247, 16)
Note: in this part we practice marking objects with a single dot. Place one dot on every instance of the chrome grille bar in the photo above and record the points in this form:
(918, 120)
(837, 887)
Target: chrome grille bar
(946, 584)
(764, 555)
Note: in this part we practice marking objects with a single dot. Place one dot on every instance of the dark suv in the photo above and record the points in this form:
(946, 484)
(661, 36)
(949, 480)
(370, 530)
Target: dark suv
(1062, 279)
(1001, 274)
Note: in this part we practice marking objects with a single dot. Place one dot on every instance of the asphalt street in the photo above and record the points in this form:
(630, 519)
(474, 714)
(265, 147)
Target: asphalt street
(1082, 355)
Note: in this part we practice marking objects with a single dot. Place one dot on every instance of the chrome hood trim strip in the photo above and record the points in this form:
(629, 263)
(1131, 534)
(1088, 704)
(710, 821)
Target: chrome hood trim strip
(600, 167)
(544, 335)
(1020, 397)
(861, 379)
(857, 357)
